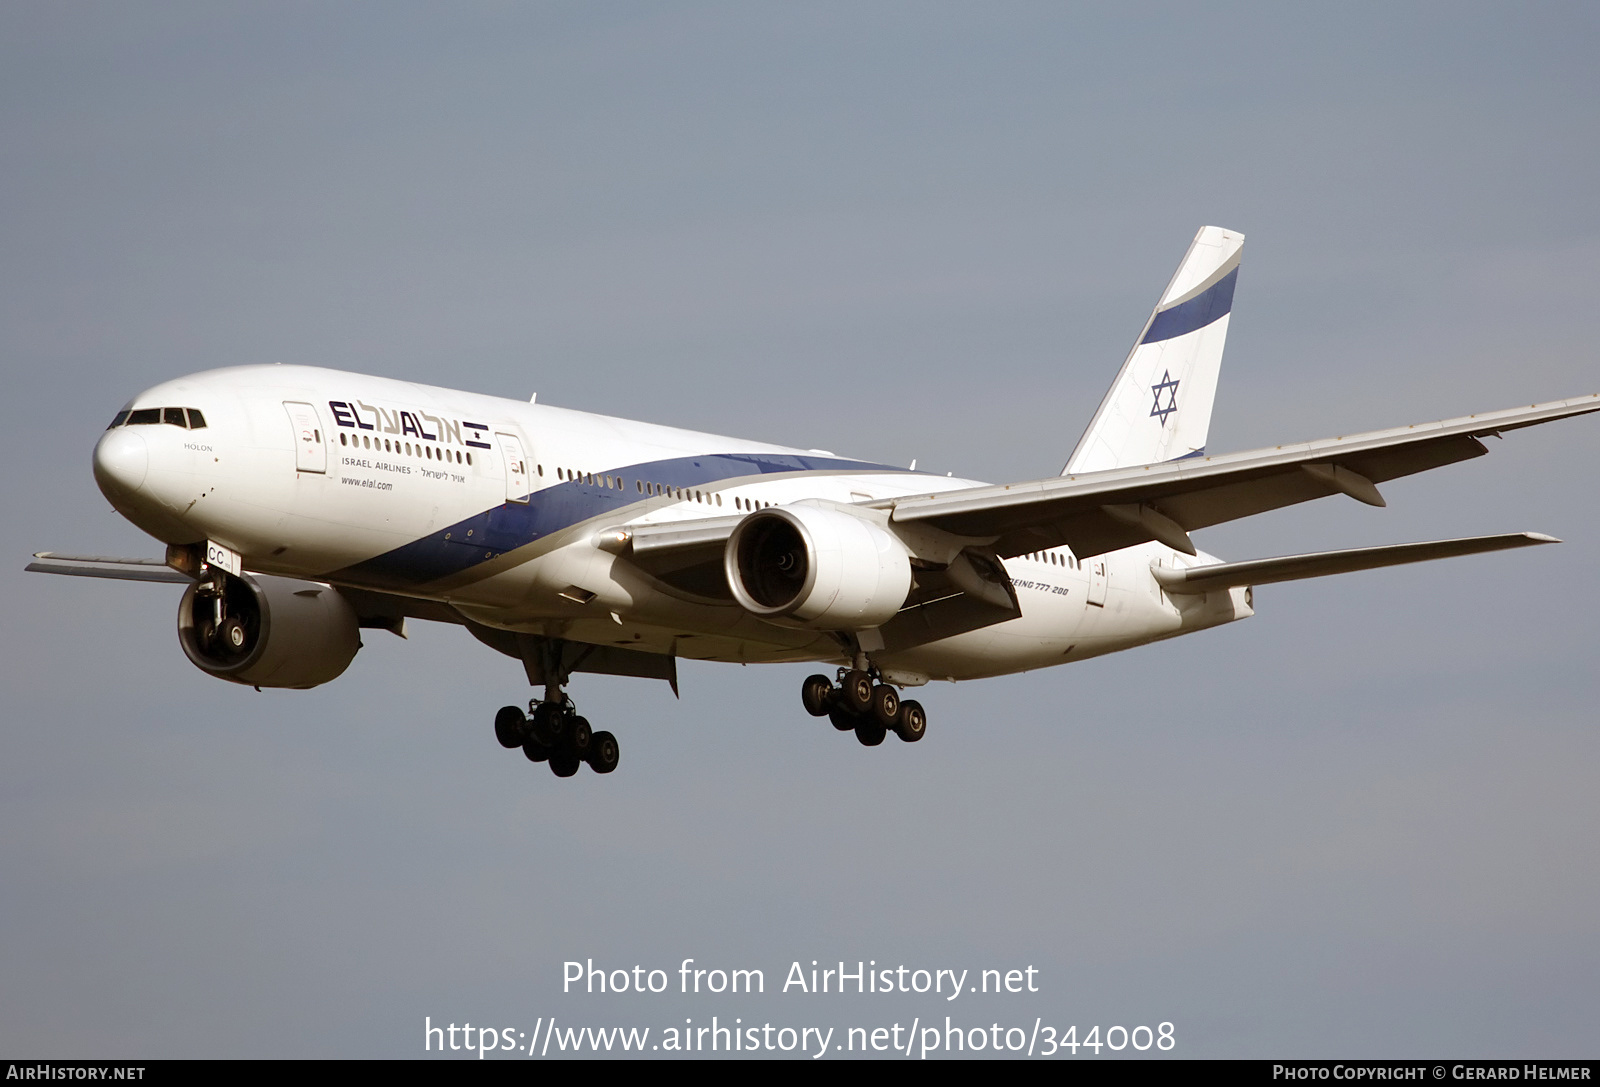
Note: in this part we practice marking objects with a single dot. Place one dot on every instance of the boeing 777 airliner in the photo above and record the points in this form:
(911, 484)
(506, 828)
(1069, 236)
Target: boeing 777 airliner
(300, 506)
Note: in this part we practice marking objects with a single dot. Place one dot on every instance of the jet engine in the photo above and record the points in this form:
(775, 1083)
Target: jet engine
(266, 631)
(817, 567)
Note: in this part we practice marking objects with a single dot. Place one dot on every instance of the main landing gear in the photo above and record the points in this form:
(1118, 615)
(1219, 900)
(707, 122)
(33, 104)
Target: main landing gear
(553, 732)
(870, 710)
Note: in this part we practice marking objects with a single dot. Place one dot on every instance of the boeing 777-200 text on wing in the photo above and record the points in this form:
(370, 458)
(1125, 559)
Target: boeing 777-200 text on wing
(301, 505)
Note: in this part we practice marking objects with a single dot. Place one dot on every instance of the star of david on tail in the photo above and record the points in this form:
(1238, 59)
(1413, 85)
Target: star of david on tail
(1170, 387)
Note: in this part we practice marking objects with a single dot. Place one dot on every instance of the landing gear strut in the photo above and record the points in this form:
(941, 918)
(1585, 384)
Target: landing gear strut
(871, 710)
(553, 732)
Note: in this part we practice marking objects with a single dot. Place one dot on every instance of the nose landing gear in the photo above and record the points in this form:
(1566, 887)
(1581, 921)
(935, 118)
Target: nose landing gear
(871, 710)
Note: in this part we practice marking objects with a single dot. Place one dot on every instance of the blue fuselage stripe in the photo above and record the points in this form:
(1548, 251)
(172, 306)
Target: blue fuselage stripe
(1210, 305)
(510, 525)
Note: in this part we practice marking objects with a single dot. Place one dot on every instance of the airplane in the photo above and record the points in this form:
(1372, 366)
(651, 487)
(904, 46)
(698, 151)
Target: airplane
(301, 506)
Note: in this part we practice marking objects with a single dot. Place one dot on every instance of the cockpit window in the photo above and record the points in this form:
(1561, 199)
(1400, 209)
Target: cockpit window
(188, 418)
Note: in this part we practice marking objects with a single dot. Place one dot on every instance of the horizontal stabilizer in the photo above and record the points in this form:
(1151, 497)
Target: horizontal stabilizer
(98, 566)
(1205, 579)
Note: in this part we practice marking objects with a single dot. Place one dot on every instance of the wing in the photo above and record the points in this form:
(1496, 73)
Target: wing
(1107, 511)
(48, 562)
(374, 610)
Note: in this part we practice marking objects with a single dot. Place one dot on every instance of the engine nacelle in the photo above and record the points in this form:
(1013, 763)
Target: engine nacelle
(817, 567)
(268, 631)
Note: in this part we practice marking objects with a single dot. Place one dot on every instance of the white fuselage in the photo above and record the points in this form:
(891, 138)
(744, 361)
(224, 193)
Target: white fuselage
(494, 506)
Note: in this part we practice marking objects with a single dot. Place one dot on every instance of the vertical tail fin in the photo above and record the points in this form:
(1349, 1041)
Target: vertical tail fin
(1159, 407)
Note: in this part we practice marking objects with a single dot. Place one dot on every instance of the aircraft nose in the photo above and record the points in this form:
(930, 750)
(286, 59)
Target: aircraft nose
(121, 460)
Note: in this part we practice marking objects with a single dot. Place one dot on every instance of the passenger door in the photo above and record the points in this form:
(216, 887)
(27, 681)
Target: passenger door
(1097, 582)
(516, 464)
(310, 452)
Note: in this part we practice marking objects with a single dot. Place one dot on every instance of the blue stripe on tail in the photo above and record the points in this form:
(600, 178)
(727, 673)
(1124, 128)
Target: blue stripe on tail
(1212, 304)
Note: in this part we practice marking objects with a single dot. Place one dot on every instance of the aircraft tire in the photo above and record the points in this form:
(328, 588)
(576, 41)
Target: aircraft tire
(536, 751)
(549, 724)
(232, 635)
(870, 733)
(843, 719)
(510, 727)
(563, 764)
(886, 705)
(603, 753)
(856, 691)
(579, 736)
(815, 693)
(912, 724)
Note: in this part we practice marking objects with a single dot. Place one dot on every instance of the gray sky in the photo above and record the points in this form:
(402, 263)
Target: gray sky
(1361, 823)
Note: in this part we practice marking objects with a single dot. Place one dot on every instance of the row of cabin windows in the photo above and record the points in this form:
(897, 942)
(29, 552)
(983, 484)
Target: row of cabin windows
(188, 418)
(682, 494)
(1054, 559)
(613, 483)
(385, 445)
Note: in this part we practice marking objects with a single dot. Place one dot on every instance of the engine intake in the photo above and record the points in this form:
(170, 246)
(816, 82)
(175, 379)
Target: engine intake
(817, 567)
(266, 631)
